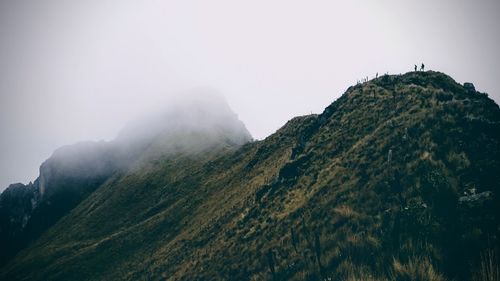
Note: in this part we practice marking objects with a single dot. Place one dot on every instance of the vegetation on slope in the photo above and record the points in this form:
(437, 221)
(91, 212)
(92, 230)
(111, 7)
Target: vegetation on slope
(396, 180)
(73, 172)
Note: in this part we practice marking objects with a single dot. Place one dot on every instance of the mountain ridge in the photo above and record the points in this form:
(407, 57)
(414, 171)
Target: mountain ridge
(73, 172)
(395, 180)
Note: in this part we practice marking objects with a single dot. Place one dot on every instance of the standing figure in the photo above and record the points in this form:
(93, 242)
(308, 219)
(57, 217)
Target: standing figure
(422, 67)
(415, 67)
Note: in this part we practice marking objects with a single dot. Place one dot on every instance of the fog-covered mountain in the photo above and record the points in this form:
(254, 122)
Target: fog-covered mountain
(398, 179)
(186, 126)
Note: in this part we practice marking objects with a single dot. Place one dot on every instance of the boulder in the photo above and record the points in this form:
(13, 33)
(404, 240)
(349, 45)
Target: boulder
(476, 199)
(469, 87)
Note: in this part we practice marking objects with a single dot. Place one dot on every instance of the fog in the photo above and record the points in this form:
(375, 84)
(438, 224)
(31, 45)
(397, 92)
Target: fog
(202, 109)
(80, 70)
(197, 123)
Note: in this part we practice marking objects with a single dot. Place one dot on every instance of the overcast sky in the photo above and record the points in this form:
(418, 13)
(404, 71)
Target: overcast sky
(79, 70)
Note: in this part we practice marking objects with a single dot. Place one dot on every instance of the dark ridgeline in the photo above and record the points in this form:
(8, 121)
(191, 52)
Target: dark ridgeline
(396, 180)
(66, 178)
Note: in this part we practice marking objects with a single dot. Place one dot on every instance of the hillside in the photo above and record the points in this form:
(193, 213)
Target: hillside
(398, 179)
(73, 172)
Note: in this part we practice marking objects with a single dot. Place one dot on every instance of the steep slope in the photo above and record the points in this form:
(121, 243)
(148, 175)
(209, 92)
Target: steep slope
(73, 172)
(396, 180)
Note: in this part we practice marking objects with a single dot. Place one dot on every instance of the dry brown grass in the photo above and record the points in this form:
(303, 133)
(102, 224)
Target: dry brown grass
(489, 268)
(345, 211)
(416, 269)
(352, 272)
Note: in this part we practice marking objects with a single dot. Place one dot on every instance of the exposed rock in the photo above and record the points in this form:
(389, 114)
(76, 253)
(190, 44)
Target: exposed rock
(476, 199)
(469, 87)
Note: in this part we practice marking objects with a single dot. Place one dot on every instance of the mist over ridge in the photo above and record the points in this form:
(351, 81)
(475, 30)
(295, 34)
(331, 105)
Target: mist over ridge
(250, 140)
(201, 109)
(76, 70)
(396, 180)
(189, 122)
(197, 124)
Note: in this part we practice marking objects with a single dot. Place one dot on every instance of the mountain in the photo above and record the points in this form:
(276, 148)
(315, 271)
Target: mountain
(398, 179)
(73, 172)
(67, 177)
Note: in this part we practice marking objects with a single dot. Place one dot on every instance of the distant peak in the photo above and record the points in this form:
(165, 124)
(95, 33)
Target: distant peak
(201, 111)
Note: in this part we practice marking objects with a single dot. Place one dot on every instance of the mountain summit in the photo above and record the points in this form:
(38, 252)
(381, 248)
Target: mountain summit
(201, 112)
(398, 179)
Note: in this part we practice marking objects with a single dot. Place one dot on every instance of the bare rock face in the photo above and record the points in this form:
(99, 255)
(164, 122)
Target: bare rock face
(65, 179)
(476, 199)
(469, 87)
(19, 200)
(16, 206)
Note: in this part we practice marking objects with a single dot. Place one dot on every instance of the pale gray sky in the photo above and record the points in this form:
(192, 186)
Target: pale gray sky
(79, 70)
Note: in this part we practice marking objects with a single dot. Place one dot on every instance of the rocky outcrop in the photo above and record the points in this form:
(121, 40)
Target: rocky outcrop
(65, 179)
(476, 199)
(469, 87)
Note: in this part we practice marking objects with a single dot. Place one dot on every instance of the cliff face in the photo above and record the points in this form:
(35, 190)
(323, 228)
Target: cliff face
(65, 179)
(396, 180)
(20, 200)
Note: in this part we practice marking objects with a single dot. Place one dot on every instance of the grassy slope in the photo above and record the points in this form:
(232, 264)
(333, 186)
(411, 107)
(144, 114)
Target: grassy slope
(368, 189)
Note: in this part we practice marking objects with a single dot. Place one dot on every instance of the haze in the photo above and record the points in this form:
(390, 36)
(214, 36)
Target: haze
(79, 70)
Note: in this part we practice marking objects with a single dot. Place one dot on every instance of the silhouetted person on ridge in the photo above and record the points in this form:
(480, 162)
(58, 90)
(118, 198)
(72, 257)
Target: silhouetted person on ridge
(415, 67)
(422, 67)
